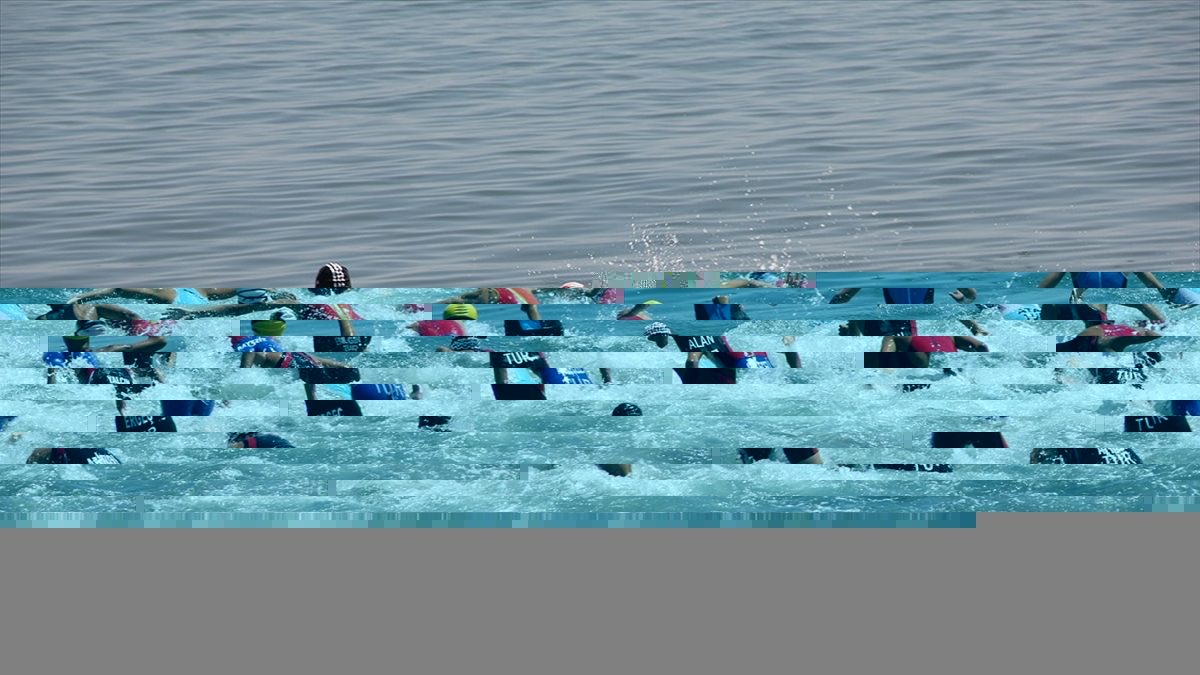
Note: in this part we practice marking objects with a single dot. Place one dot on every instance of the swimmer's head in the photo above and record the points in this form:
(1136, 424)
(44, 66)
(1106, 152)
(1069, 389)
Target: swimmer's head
(464, 343)
(252, 296)
(332, 278)
(76, 343)
(627, 410)
(572, 284)
(271, 327)
(658, 333)
(460, 312)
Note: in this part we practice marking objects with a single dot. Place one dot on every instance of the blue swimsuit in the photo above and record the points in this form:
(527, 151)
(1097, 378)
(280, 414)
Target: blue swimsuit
(189, 296)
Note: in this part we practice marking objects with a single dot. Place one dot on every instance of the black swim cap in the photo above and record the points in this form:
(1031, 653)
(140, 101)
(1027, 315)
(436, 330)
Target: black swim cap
(627, 410)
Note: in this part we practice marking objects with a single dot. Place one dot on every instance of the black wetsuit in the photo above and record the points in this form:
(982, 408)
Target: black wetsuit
(1088, 456)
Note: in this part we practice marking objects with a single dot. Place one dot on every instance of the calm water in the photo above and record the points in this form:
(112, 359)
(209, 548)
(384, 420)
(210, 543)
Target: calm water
(427, 144)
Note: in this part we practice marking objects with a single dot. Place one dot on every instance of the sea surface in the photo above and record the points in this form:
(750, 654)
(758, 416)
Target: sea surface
(532, 143)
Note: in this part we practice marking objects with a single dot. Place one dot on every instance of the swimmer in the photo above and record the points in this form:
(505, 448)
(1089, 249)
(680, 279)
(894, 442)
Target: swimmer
(170, 296)
(1084, 456)
(311, 369)
(913, 352)
(792, 455)
(255, 439)
(495, 296)
(1156, 423)
(1081, 281)
(715, 349)
(769, 280)
(722, 310)
(902, 296)
(503, 390)
(1112, 338)
(622, 410)
(5, 422)
(451, 322)
(80, 312)
(72, 456)
(638, 312)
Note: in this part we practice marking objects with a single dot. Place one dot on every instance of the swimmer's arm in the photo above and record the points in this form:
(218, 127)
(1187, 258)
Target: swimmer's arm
(964, 296)
(444, 348)
(532, 311)
(975, 328)
(844, 295)
(1149, 279)
(888, 345)
(1052, 280)
(150, 344)
(417, 394)
(1035, 457)
(744, 283)
(969, 344)
(606, 375)
(39, 456)
(456, 300)
(115, 313)
(219, 310)
(310, 391)
(329, 363)
(1150, 311)
(693, 359)
(1120, 343)
(248, 359)
(347, 327)
(501, 375)
(793, 359)
(51, 375)
(98, 293)
(221, 293)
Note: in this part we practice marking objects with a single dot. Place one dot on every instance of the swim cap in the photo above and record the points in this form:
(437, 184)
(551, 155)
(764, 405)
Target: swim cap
(74, 341)
(572, 284)
(252, 296)
(464, 343)
(237, 437)
(268, 327)
(460, 312)
(657, 328)
(332, 277)
(627, 410)
(90, 328)
(283, 315)
(651, 302)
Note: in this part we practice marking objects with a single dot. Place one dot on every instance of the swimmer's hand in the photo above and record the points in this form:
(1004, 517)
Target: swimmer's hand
(963, 298)
(789, 339)
(16, 436)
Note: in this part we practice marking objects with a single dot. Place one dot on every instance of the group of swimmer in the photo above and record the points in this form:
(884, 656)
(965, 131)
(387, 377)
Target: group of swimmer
(520, 375)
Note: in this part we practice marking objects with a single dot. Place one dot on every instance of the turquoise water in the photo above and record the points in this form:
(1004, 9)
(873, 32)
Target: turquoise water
(683, 449)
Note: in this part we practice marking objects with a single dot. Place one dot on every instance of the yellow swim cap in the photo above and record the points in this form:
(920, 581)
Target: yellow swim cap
(460, 312)
(268, 327)
(651, 302)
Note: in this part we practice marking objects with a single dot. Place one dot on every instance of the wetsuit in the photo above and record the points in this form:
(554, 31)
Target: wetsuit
(908, 296)
(535, 362)
(332, 408)
(1157, 423)
(188, 408)
(1185, 408)
(961, 439)
(1076, 312)
(255, 343)
(794, 455)
(934, 468)
(120, 378)
(876, 328)
(522, 327)
(131, 423)
(378, 392)
(720, 312)
(82, 456)
(344, 345)
(312, 372)
(1091, 343)
(719, 348)
(1099, 279)
(1088, 456)
(266, 441)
